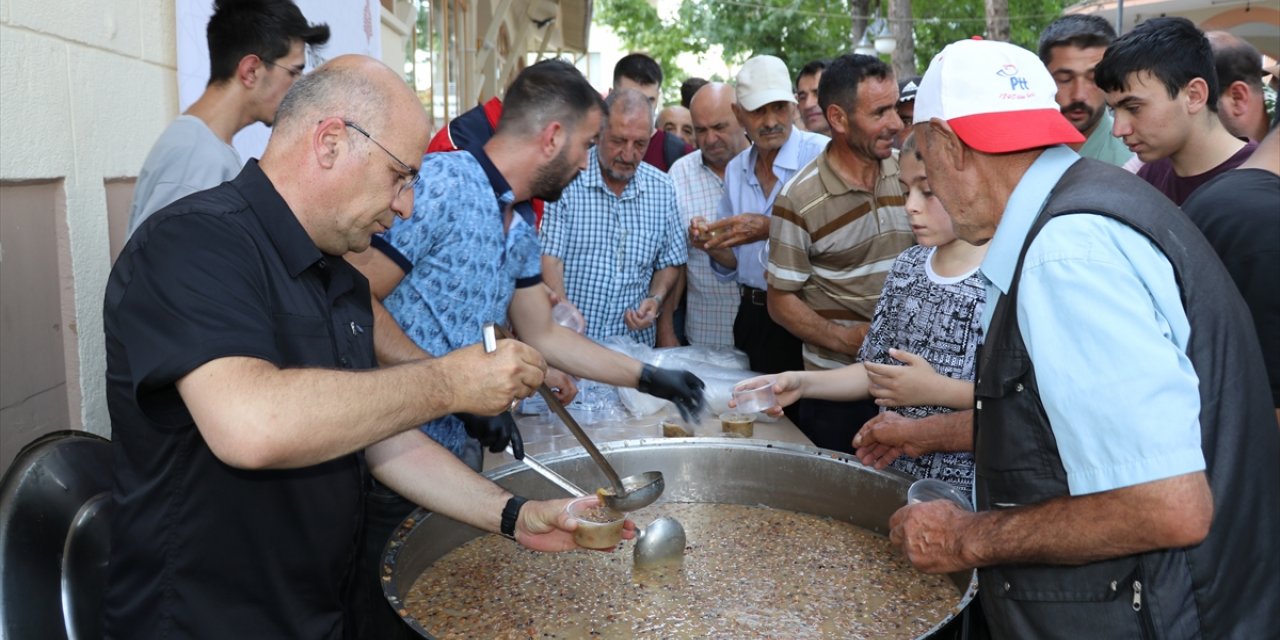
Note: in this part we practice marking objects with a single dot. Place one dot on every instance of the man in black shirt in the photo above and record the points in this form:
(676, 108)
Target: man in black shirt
(246, 410)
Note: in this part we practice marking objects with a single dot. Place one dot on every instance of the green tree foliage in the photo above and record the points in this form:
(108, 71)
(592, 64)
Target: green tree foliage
(938, 23)
(801, 30)
(637, 24)
(795, 30)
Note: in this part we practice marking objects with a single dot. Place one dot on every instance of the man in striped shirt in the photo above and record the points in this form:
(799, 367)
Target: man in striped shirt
(837, 227)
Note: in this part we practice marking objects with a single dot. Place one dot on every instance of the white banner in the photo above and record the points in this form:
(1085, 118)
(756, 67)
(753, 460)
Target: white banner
(354, 25)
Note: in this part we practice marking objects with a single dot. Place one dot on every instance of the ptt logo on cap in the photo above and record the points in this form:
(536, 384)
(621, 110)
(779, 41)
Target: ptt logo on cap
(1015, 82)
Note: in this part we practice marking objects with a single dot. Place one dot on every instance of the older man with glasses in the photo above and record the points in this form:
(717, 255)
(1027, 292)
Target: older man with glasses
(248, 410)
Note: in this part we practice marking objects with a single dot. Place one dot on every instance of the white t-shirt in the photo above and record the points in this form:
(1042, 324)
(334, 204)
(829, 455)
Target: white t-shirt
(188, 157)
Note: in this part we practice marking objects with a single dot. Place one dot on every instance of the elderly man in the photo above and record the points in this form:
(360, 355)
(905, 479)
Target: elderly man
(1160, 80)
(1240, 100)
(807, 98)
(699, 182)
(1124, 439)
(613, 244)
(639, 72)
(1071, 47)
(837, 227)
(738, 239)
(242, 387)
(257, 50)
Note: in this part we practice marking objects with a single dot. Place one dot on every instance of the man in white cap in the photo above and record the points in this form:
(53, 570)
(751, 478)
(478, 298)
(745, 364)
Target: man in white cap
(1125, 443)
(738, 240)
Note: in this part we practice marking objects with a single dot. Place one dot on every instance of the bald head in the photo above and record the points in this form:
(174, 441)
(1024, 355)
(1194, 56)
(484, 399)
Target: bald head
(1238, 66)
(346, 145)
(354, 87)
(675, 120)
(717, 130)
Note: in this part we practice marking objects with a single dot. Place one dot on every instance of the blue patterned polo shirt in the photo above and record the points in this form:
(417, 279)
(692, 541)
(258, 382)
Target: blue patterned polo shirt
(460, 268)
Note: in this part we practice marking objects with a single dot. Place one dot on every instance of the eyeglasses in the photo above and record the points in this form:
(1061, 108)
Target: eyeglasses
(293, 72)
(410, 180)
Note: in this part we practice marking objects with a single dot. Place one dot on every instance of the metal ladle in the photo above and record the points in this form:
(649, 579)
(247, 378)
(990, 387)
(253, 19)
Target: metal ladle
(630, 493)
(657, 545)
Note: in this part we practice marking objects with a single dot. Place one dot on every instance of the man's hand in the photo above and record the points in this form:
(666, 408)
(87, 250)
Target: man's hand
(677, 385)
(698, 233)
(544, 525)
(734, 231)
(562, 385)
(883, 438)
(851, 336)
(930, 535)
(487, 383)
(905, 385)
(643, 316)
(495, 432)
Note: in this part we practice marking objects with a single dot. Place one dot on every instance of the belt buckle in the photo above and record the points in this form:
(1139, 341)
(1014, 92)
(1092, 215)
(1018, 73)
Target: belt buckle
(756, 296)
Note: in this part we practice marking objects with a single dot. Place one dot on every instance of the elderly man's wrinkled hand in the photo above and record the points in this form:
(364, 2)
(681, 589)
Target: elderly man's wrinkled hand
(734, 231)
(882, 439)
(931, 535)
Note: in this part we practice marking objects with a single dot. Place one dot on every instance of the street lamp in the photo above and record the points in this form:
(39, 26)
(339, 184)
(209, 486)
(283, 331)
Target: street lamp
(864, 46)
(885, 42)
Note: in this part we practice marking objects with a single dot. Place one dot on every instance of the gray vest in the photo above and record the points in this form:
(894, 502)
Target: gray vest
(1228, 585)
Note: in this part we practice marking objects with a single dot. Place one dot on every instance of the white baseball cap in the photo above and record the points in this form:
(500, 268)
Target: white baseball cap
(762, 80)
(996, 96)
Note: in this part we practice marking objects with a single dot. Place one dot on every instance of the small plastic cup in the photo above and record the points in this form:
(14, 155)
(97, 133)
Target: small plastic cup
(599, 527)
(565, 316)
(927, 489)
(755, 397)
(738, 425)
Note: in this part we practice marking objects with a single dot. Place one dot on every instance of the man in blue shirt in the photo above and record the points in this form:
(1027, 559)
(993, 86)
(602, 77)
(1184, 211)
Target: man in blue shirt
(465, 257)
(614, 244)
(738, 239)
(1124, 438)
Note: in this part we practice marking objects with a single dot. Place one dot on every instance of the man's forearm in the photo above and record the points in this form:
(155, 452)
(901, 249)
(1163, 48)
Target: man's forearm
(255, 415)
(1170, 513)
(399, 462)
(553, 275)
(790, 312)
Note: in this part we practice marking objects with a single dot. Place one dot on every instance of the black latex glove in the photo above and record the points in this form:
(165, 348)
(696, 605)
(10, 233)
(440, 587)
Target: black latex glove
(677, 385)
(495, 432)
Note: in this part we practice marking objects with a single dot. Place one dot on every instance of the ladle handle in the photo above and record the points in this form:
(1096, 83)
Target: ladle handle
(490, 331)
(546, 472)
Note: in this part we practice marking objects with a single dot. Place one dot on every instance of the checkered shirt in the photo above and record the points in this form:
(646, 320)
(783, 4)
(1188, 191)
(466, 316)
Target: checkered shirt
(611, 246)
(711, 305)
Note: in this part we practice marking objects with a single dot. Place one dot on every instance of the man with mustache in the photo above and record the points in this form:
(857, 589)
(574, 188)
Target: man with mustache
(837, 227)
(1070, 48)
(466, 256)
(613, 244)
(738, 240)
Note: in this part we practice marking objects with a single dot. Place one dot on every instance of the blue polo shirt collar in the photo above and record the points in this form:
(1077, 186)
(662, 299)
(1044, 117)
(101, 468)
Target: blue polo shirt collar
(501, 188)
(1021, 211)
(297, 250)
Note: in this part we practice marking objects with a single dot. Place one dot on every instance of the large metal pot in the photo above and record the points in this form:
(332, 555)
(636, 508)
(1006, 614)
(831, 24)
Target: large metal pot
(719, 470)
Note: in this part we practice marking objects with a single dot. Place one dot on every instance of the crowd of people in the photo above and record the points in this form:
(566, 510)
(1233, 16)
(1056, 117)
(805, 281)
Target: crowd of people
(1048, 278)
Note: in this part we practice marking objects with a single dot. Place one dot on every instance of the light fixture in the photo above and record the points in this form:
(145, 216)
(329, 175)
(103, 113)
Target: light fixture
(885, 42)
(864, 46)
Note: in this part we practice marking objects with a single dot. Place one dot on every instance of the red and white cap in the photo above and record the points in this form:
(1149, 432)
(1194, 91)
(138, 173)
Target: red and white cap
(998, 97)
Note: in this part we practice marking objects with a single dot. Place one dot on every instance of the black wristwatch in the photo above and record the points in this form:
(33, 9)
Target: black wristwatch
(510, 514)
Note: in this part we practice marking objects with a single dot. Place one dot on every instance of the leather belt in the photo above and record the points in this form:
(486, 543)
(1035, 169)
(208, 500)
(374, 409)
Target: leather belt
(755, 296)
